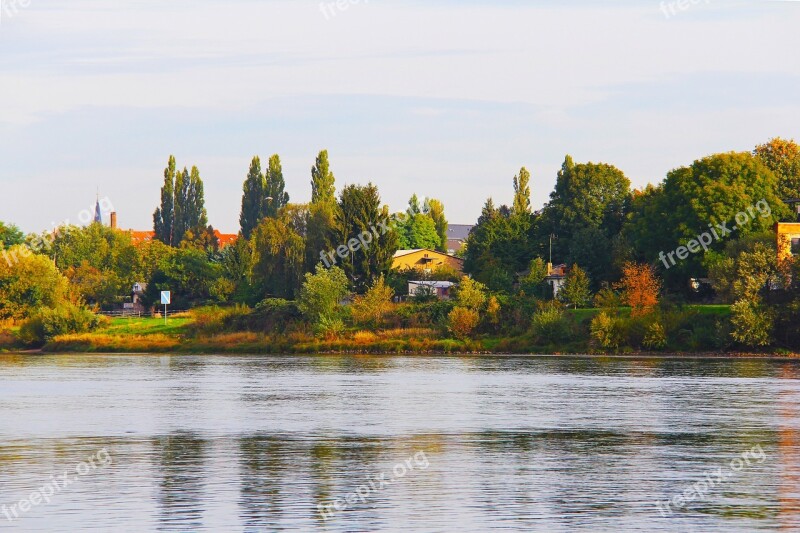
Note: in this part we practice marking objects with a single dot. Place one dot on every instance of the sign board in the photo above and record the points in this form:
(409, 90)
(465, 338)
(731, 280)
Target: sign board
(166, 297)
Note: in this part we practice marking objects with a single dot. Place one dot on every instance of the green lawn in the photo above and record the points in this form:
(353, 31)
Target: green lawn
(146, 326)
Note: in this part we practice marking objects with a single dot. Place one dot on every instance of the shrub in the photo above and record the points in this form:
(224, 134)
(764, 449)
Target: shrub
(655, 338)
(549, 324)
(371, 308)
(274, 314)
(752, 323)
(329, 328)
(607, 299)
(463, 321)
(47, 323)
(212, 320)
(606, 331)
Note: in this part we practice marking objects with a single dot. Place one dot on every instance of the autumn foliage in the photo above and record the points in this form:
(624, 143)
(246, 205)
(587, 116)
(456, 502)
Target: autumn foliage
(640, 287)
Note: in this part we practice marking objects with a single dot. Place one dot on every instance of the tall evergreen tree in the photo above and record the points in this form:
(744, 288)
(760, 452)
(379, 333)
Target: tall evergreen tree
(276, 196)
(163, 218)
(323, 188)
(360, 211)
(253, 199)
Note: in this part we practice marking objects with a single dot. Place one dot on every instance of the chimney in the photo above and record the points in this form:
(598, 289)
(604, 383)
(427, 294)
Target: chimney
(114, 220)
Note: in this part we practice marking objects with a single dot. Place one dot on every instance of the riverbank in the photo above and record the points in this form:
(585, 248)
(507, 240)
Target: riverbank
(191, 334)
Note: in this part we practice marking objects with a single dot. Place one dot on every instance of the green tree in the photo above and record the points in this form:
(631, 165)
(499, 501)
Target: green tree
(322, 293)
(436, 212)
(576, 291)
(101, 263)
(360, 215)
(370, 309)
(522, 193)
(533, 282)
(188, 274)
(236, 262)
(276, 196)
(28, 282)
(323, 183)
(278, 255)
(471, 294)
(190, 206)
(586, 195)
(417, 229)
(253, 199)
(163, 218)
(10, 235)
(704, 197)
(498, 248)
(782, 157)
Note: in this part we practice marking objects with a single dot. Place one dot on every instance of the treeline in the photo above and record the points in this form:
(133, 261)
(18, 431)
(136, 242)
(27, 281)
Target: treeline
(609, 235)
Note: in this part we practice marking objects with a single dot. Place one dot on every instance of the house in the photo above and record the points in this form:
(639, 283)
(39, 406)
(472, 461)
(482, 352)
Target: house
(457, 237)
(441, 289)
(137, 297)
(426, 261)
(556, 277)
(788, 233)
(142, 237)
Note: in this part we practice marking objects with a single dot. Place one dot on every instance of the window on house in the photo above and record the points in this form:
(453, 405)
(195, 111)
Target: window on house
(795, 246)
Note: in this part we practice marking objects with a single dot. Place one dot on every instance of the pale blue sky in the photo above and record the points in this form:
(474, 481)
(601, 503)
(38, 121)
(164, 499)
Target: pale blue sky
(440, 98)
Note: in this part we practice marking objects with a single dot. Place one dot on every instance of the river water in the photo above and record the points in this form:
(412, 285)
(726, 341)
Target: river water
(214, 443)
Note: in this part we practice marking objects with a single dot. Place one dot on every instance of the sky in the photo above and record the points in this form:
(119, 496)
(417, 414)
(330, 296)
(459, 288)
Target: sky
(442, 98)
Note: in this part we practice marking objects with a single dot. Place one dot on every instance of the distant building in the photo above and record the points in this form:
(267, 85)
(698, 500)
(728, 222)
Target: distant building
(426, 261)
(137, 294)
(440, 289)
(788, 233)
(457, 236)
(142, 237)
(556, 277)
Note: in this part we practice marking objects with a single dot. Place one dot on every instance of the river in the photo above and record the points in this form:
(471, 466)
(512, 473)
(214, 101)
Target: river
(345, 443)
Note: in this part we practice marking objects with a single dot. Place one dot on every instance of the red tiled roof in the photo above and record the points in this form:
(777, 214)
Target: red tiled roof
(140, 237)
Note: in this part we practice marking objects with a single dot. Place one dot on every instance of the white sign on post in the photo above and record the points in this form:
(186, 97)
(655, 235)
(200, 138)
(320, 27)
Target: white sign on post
(166, 299)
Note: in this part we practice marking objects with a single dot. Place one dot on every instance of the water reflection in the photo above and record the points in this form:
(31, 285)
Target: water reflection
(179, 465)
(525, 444)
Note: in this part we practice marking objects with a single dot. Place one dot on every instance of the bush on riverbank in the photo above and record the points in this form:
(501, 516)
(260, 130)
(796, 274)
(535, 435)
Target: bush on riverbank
(47, 323)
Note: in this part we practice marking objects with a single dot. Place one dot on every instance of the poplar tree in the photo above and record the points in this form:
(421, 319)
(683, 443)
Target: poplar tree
(321, 211)
(276, 195)
(522, 192)
(253, 199)
(179, 226)
(163, 217)
(323, 188)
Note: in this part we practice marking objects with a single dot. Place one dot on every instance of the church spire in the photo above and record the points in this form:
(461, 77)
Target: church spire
(98, 215)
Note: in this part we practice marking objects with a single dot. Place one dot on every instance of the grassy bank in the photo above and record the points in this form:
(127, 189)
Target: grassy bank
(198, 334)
